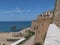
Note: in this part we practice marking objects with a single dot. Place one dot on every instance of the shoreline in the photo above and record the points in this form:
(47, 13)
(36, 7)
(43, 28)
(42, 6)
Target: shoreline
(19, 31)
(8, 35)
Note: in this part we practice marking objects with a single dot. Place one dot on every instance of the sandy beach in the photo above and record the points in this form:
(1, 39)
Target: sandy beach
(8, 35)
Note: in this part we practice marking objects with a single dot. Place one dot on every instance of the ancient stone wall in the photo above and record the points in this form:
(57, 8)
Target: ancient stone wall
(56, 17)
(34, 25)
(43, 23)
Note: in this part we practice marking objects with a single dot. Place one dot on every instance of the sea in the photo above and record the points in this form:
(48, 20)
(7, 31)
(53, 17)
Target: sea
(6, 26)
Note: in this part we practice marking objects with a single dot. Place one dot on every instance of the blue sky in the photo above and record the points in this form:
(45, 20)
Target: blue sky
(23, 10)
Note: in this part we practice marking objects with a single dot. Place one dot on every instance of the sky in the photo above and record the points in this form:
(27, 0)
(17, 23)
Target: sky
(23, 10)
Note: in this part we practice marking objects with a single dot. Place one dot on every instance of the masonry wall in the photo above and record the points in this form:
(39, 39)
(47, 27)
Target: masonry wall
(56, 17)
(43, 24)
(34, 25)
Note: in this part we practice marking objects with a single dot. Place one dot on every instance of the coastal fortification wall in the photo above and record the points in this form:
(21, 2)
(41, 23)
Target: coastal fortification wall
(34, 22)
(34, 25)
(56, 17)
(43, 24)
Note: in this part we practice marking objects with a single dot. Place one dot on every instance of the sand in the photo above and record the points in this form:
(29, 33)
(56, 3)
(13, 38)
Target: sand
(8, 35)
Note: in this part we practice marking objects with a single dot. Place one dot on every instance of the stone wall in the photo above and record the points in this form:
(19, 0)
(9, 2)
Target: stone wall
(43, 23)
(40, 26)
(34, 25)
(56, 17)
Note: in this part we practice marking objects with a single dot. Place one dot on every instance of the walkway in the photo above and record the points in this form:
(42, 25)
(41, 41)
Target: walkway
(53, 35)
(30, 41)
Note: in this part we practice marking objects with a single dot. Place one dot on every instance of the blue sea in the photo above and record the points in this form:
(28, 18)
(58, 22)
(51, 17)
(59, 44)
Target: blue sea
(6, 26)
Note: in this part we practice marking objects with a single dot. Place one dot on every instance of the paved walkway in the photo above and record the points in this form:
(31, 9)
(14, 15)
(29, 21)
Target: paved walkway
(53, 35)
(30, 41)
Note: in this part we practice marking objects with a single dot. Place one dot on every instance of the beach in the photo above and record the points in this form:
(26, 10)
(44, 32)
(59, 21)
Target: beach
(5, 36)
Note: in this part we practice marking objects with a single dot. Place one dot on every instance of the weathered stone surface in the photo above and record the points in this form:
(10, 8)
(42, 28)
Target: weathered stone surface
(42, 23)
(57, 13)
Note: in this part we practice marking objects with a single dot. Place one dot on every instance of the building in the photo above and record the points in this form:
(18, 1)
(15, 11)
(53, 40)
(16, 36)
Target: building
(49, 12)
(44, 14)
(42, 22)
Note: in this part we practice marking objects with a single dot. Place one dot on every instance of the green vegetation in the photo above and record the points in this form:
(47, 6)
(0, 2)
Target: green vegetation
(4, 44)
(44, 37)
(28, 34)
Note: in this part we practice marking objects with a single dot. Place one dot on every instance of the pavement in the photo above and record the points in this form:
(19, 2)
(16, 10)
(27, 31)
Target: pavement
(30, 41)
(53, 35)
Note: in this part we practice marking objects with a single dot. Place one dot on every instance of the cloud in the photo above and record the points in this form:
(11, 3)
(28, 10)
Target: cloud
(20, 10)
(17, 10)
